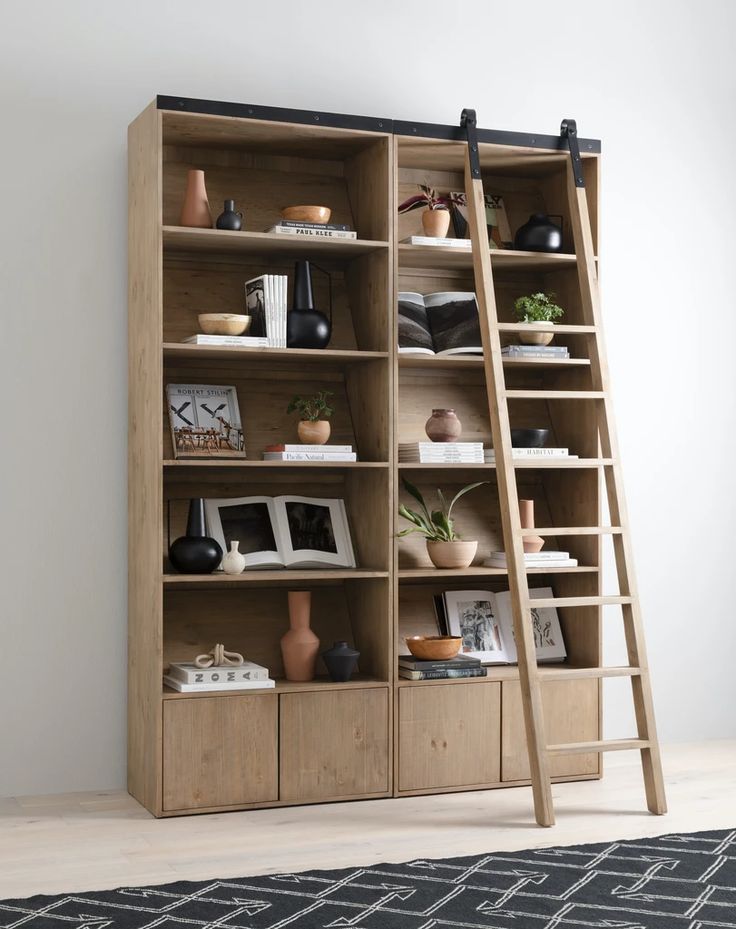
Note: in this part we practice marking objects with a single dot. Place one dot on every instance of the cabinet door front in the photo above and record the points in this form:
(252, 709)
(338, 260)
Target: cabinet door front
(449, 735)
(333, 744)
(570, 715)
(220, 751)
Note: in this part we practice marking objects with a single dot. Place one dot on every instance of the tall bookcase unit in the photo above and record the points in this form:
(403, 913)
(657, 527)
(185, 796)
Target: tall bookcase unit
(376, 736)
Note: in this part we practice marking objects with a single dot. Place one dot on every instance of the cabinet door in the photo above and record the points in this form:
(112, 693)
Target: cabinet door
(570, 715)
(333, 744)
(449, 735)
(220, 751)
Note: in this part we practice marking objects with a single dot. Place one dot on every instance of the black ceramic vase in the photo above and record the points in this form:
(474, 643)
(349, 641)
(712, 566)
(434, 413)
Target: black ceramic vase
(307, 327)
(195, 552)
(538, 234)
(340, 661)
(229, 218)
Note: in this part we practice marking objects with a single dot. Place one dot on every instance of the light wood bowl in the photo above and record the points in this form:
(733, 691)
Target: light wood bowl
(223, 323)
(433, 647)
(306, 214)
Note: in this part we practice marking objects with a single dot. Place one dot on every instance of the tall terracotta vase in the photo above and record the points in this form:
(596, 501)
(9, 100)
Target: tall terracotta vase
(532, 543)
(299, 646)
(195, 211)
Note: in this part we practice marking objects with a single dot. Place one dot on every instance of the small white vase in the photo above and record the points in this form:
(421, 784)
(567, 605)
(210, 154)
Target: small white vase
(233, 562)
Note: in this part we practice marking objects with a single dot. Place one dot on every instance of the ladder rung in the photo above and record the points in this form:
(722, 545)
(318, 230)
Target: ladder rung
(612, 745)
(548, 327)
(576, 530)
(581, 601)
(555, 394)
(572, 674)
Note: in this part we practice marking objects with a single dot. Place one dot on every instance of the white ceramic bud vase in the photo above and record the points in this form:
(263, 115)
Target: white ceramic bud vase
(233, 562)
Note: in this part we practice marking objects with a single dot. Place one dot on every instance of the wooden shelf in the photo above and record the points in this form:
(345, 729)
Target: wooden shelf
(550, 672)
(420, 575)
(181, 239)
(453, 257)
(357, 682)
(309, 356)
(557, 328)
(456, 362)
(246, 464)
(548, 464)
(272, 578)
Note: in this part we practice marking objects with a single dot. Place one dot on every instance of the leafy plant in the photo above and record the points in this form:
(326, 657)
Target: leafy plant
(538, 308)
(312, 409)
(428, 198)
(436, 526)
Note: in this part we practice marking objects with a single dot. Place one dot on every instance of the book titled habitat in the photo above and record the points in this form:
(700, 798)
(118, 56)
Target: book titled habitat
(444, 323)
(205, 421)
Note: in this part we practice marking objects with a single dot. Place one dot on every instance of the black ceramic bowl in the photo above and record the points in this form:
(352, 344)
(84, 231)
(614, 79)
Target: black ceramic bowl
(529, 438)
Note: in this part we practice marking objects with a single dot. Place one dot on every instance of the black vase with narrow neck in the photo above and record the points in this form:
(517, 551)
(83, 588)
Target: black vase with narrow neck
(306, 327)
(195, 552)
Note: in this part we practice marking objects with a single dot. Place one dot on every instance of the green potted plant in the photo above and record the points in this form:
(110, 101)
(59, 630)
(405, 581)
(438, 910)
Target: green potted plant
(314, 415)
(436, 215)
(538, 310)
(445, 547)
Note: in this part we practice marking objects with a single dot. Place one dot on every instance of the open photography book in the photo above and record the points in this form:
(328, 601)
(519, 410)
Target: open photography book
(283, 532)
(484, 621)
(444, 323)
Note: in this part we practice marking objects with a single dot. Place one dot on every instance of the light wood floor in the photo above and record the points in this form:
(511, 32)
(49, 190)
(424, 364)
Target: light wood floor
(91, 841)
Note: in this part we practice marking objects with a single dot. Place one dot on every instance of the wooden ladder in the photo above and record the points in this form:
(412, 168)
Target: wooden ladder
(498, 396)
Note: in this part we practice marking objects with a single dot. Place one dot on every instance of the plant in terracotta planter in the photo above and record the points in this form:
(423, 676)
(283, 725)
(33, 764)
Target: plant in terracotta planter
(314, 414)
(445, 547)
(436, 215)
(537, 309)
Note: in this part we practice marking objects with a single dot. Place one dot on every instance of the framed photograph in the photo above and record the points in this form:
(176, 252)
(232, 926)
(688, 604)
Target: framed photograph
(205, 421)
(472, 615)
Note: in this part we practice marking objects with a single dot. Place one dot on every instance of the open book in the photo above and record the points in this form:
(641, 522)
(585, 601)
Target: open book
(439, 324)
(485, 622)
(283, 532)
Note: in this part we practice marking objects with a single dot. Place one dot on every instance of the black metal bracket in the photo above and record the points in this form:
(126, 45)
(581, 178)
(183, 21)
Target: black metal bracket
(569, 131)
(469, 123)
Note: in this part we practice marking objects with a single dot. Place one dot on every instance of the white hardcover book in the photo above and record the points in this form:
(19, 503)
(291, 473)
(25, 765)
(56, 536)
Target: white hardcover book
(184, 688)
(533, 453)
(441, 446)
(314, 233)
(270, 300)
(284, 284)
(547, 565)
(310, 456)
(534, 350)
(293, 447)
(431, 240)
(532, 556)
(235, 341)
(190, 673)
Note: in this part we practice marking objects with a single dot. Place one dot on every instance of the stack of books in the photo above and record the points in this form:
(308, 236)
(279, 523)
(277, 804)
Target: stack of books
(433, 240)
(235, 341)
(186, 677)
(323, 230)
(535, 351)
(412, 669)
(541, 559)
(489, 454)
(441, 452)
(285, 452)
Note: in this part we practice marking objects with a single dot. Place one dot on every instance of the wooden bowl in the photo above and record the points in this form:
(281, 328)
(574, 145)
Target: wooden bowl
(433, 647)
(307, 214)
(223, 323)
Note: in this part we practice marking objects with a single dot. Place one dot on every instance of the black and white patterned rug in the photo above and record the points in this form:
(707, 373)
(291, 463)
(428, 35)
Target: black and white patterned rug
(669, 882)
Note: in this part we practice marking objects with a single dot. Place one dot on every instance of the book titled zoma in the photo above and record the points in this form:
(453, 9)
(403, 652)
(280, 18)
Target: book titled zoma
(205, 421)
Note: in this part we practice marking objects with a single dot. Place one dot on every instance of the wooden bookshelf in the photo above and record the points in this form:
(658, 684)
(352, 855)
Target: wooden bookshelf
(376, 735)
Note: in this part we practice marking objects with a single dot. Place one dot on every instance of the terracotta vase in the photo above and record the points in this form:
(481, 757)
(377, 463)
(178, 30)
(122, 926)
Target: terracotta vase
(443, 426)
(436, 223)
(529, 337)
(299, 646)
(195, 211)
(313, 433)
(458, 554)
(532, 543)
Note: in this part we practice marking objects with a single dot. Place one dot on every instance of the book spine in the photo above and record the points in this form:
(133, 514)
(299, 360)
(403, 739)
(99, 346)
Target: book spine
(322, 449)
(534, 453)
(184, 688)
(320, 233)
(309, 456)
(536, 353)
(420, 666)
(442, 675)
(337, 227)
(254, 342)
(218, 675)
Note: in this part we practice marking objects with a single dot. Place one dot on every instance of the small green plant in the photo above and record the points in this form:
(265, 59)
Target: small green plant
(436, 526)
(538, 308)
(312, 409)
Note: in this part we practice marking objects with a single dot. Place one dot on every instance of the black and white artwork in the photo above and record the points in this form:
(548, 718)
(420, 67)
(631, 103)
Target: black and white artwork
(249, 524)
(310, 527)
(444, 323)
(415, 335)
(544, 636)
(472, 615)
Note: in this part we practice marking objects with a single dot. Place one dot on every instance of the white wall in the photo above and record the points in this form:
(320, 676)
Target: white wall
(654, 80)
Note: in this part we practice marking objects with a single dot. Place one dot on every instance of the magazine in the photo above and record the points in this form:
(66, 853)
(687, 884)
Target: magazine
(283, 532)
(205, 421)
(444, 323)
(499, 230)
(485, 622)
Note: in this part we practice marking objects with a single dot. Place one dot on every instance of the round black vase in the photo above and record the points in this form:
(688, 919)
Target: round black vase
(307, 329)
(538, 234)
(195, 552)
(340, 661)
(229, 218)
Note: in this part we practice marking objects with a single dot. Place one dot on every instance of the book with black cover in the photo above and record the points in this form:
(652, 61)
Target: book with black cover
(444, 323)
(460, 661)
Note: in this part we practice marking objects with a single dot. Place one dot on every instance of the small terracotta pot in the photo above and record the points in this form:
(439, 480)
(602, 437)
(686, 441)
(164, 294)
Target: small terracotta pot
(443, 426)
(195, 211)
(531, 543)
(529, 337)
(313, 433)
(458, 554)
(436, 223)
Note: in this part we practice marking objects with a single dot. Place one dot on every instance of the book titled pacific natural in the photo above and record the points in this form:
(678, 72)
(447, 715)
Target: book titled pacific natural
(443, 323)
(205, 421)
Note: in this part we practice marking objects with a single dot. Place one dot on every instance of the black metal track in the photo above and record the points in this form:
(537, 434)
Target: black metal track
(369, 123)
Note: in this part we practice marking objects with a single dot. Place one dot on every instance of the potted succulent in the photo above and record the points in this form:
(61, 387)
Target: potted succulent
(444, 546)
(538, 310)
(436, 215)
(314, 415)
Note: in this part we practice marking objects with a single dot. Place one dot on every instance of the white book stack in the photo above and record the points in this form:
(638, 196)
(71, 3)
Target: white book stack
(265, 301)
(318, 230)
(441, 452)
(234, 341)
(309, 453)
(432, 240)
(489, 454)
(186, 677)
(535, 351)
(548, 559)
